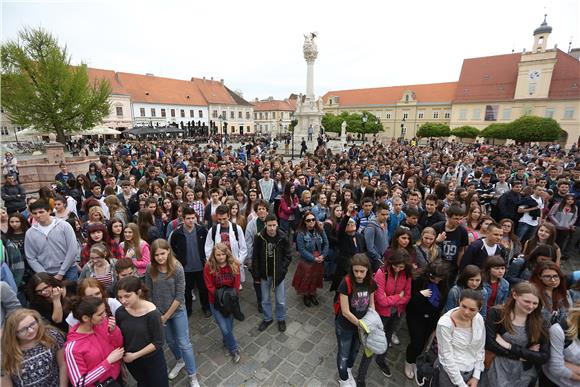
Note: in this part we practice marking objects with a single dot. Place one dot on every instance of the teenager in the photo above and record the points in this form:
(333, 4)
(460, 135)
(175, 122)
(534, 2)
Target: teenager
(140, 324)
(136, 248)
(469, 278)
(94, 346)
(90, 287)
(461, 342)
(255, 226)
(516, 338)
(48, 296)
(426, 249)
(551, 284)
(165, 279)
(544, 235)
(494, 283)
(564, 215)
(36, 352)
(478, 251)
(222, 270)
(452, 238)
(97, 233)
(356, 296)
(521, 268)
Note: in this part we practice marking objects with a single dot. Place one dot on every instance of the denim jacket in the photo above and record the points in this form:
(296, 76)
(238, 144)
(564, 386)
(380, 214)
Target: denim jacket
(309, 242)
(503, 291)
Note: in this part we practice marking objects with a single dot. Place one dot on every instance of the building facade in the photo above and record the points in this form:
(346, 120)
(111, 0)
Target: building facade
(273, 117)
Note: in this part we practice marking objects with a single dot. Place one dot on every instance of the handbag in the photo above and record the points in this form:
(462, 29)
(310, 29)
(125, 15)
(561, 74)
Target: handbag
(109, 382)
(489, 358)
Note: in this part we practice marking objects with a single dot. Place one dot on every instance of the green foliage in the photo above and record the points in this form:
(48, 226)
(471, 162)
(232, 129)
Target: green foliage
(499, 131)
(293, 124)
(465, 132)
(41, 89)
(533, 128)
(430, 129)
(354, 123)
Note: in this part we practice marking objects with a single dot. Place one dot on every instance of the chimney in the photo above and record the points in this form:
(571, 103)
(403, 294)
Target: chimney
(211, 78)
(222, 81)
(204, 79)
(150, 74)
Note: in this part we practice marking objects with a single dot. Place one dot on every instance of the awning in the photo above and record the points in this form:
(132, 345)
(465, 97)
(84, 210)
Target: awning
(99, 131)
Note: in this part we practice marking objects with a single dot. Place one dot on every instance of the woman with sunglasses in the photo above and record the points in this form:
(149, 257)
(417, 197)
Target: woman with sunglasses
(312, 245)
(36, 352)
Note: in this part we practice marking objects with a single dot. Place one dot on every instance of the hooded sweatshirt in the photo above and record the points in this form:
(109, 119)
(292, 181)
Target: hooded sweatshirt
(86, 354)
(377, 239)
(52, 249)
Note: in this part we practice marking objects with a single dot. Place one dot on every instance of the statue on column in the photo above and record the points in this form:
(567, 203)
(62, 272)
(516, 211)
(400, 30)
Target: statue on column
(309, 47)
(343, 131)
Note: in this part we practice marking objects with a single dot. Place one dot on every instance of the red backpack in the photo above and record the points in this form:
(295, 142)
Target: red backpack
(337, 302)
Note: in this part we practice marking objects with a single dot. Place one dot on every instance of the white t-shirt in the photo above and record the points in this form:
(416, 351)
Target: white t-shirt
(113, 305)
(526, 218)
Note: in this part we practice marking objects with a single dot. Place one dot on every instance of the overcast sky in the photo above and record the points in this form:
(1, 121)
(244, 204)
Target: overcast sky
(256, 46)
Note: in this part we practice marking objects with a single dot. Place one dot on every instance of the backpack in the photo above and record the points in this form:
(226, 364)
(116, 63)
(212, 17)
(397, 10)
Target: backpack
(427, 366)
(348, 290)
(214, 231)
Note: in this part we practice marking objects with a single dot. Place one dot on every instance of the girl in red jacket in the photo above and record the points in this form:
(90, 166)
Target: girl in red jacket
(94, 347)
(394, 292)
(222, 270)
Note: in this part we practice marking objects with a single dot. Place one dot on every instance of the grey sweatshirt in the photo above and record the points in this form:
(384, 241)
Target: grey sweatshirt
(165, 289)
(376, 240)
(54, 253)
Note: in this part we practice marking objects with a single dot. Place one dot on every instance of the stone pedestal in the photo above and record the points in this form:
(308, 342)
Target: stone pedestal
(55, 153)
(309, 114)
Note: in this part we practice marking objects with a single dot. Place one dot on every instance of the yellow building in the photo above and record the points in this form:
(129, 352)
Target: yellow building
(273, 116)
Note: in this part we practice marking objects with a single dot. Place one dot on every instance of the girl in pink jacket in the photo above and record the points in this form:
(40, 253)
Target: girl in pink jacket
(392, 295)
(94, 347)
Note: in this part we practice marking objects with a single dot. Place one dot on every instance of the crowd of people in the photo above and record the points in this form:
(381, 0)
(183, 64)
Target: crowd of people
(465, 243)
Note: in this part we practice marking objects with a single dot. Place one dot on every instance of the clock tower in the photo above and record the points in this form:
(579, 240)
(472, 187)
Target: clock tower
(536, 67)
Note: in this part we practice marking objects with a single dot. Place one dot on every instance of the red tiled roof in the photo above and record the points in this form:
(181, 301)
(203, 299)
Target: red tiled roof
(109, 75)
(214, 92)
(565, 78)
(274, 105)
(432, 92)
(490, 78)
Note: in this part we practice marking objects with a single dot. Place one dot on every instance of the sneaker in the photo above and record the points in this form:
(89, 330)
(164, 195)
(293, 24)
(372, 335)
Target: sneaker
(384, 368)
(264, 325)
(193, 297)
(207, 313)
(193, 381)
(410, 370)
(236, 356)
(395, 339)
(314, 300)
(282, 326)
(344, 383)
(350, 377)
(176, 369)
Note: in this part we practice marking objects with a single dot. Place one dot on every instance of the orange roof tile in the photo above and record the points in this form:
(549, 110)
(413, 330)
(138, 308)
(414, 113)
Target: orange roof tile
(109, 75)
(424, 93)
(490, 78)
(565, 78)
(214, 92)
(274, 105)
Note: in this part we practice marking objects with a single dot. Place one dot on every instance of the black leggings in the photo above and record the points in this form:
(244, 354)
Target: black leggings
(420, 328)
(150, 371)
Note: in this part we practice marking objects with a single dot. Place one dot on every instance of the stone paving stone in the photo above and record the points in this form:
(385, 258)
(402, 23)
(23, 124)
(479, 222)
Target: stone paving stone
(235, 380)
(306, 347)
(262, 374)
(272, 363)
(249, 368)
(296, 380)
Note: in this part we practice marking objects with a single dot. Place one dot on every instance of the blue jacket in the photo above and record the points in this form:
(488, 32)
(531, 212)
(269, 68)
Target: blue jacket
(308, 243)
(394, 221)
(503, 291)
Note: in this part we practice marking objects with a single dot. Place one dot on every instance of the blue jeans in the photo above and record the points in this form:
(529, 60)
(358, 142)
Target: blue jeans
(279, 293)
(177, 336)
(348, 346)
(72, 274)
(226, 325)
(524, 231)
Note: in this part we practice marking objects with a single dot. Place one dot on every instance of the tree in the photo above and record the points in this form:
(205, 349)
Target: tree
(354, 122)
(41, 89)
(498, 131)
(465, 132)
(430, 129)
(534, 128)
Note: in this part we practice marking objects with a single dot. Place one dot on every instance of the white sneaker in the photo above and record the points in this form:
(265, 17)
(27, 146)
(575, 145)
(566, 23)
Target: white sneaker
(176, 369)
(410, 370)
(193, 381)
(193, 297)
(395, 339)
(350, 377)
(344, 383)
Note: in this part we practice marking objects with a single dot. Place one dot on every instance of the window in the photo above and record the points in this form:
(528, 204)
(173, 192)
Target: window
(405, 115)
(240, 115)
(507, 113)
(248, 115)
(261, 115)
(569, 113)
(420, 115)
(463, 114)
(260, 128)
(273, 115)
(388, 115)
(531, 88)
(435, 114)
(266, 115)
(163, 113)
(182, 113)
(491, 112)
(4, 131)
(224, 116)
(191, 115)
(255, 116)
(447, 115)
(152, 112)
(549, 113)
(214, 114)
(232, 114)
(281, 115)
(142, 112)
(476, 114)
(119, 110)
(200, 113)
(172, 112)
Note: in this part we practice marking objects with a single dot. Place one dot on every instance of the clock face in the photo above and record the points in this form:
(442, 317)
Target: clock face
(534, 75)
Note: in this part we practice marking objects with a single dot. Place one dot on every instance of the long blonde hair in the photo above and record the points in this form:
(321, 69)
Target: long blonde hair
(134, 243)
(171, 261)
(433, 250)
(12, 359)
(573, 321)
(230, 260)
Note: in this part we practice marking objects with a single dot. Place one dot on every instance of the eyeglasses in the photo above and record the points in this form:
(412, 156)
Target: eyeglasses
(43, 290)
(551, 277)
(310, 220)
(28, 328)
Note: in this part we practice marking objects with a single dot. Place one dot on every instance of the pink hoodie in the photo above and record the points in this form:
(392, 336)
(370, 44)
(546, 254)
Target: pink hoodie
(387, 293)
(86, 354)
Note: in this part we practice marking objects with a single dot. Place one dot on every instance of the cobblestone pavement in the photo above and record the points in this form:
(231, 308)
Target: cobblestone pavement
(305, 355)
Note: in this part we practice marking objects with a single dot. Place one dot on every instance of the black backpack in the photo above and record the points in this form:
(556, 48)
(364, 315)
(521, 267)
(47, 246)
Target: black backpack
(427, 373)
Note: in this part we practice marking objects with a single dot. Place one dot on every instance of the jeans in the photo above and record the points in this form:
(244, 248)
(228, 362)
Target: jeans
(524, 231)
(279, 294)
(329, 265)
(72, 274)
(348, 345)
(177, 336)
(226, 326)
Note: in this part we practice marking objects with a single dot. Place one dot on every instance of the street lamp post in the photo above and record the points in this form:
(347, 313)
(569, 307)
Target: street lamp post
(293, 130)
(365, 118)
